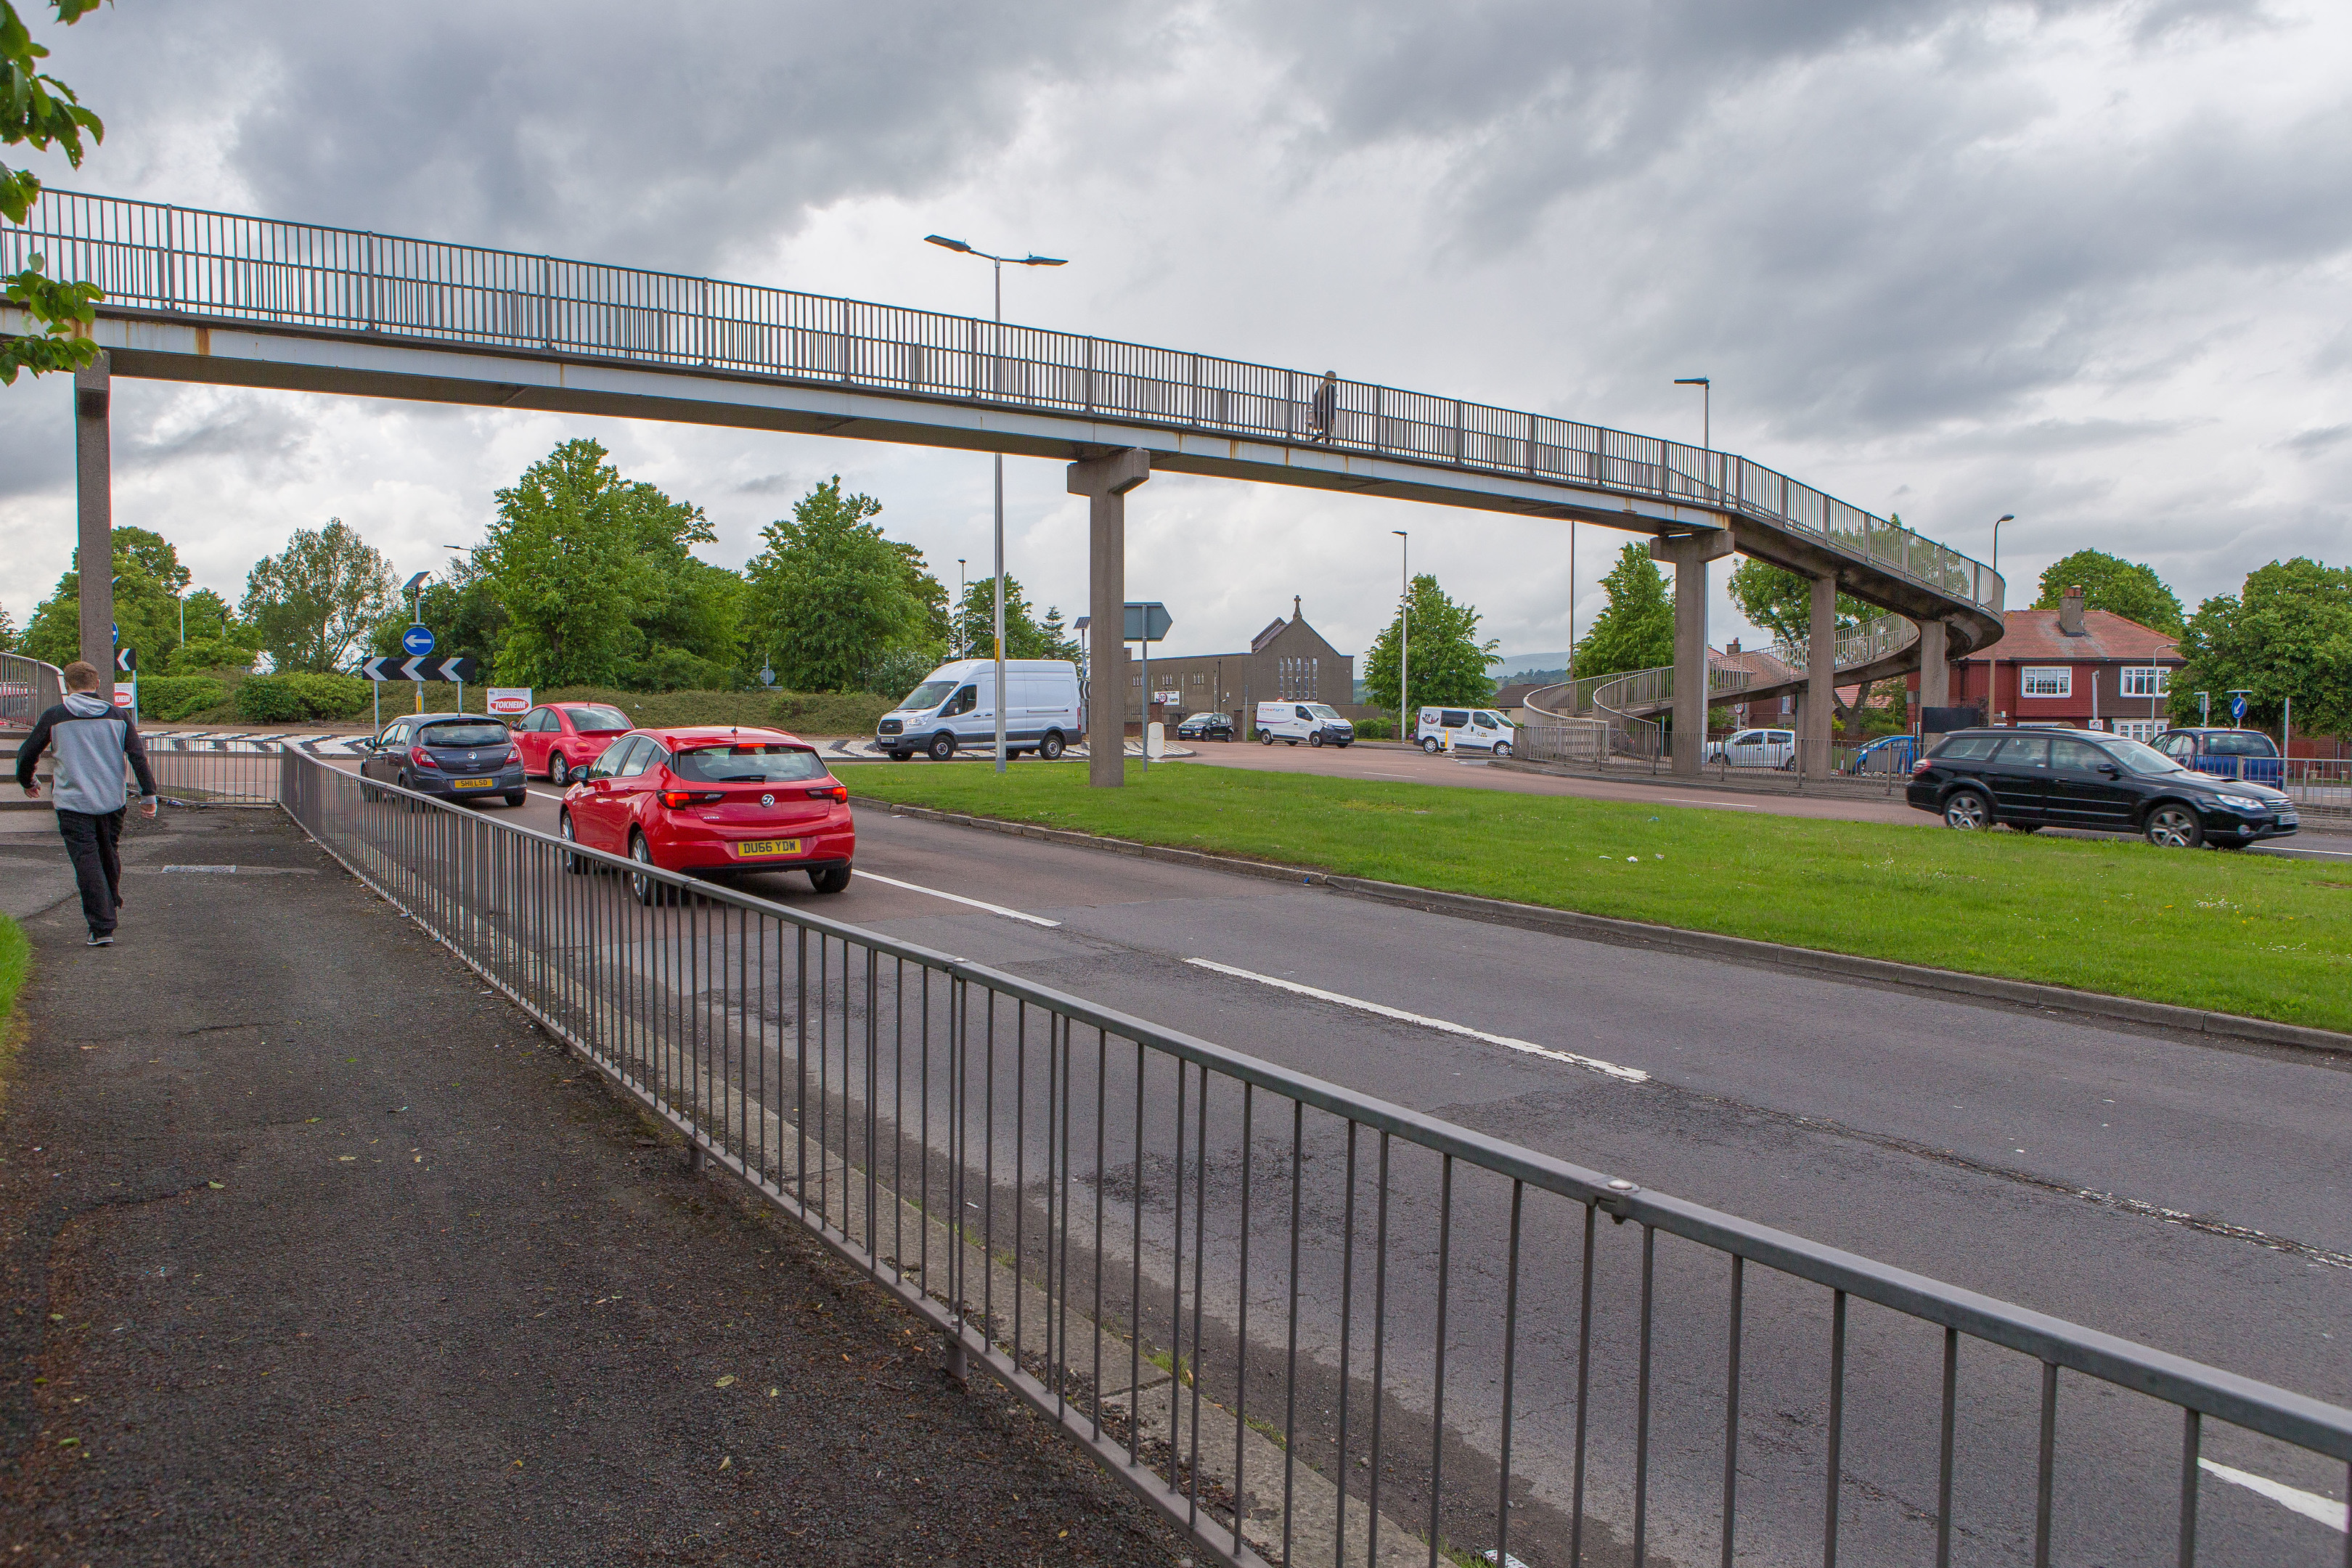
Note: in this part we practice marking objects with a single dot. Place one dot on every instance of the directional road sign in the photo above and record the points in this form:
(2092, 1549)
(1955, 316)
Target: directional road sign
(1148, 622)
(418, 640)
(126, 659)
(2238, 706)
(417, 670)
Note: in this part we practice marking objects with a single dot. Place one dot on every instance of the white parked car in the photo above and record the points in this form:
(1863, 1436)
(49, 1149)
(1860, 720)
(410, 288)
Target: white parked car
(1464, 730)
(1754, 749)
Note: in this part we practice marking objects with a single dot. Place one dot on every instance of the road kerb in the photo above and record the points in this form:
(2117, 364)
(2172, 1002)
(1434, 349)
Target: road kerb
(1951, 984)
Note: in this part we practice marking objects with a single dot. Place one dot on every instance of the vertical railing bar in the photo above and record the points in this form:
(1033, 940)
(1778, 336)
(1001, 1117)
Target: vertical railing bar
(988, 1180)
(2189, 1436)
(1837, 1427)
(1102, 1111)
(898, 1120)
(1437, 1393)
(873, 1104)
(1642, 1403)
(1347, 1301)
(1199, 1271)
(1583, 1390)
(1944, 1461)
(1380, 1326)
(1241, 1310)
(1510, 1340)
(1176, 1297)
(2045, 1468)
(1290, 1355)
(1020, 1164)
(1731, 1412)
(1135, 1278)
(1062, 1363)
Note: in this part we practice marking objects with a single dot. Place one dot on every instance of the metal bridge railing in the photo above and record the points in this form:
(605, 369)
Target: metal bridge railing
(222, 267)
(28, 688)
(1881, 636)
(1313, 1326)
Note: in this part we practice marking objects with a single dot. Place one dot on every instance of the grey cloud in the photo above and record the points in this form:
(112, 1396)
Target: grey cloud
(2311, 442)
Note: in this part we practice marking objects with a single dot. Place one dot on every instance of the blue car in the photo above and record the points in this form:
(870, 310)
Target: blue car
(1889, 754)
(2247, 754)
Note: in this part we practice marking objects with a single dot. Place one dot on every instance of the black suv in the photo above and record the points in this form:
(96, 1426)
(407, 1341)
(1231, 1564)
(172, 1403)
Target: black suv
(2029, 779)
(1207, 726)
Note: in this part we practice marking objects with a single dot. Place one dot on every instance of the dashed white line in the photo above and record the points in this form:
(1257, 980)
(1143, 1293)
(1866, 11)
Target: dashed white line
(2311, 1505)
(1529, 1047)
(958, 898)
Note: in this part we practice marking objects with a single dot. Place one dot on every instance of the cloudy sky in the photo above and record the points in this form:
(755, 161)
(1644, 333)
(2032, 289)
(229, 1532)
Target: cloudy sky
(2083, 262)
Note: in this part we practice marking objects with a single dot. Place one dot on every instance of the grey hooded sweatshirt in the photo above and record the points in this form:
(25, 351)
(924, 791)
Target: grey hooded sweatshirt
(92, 741)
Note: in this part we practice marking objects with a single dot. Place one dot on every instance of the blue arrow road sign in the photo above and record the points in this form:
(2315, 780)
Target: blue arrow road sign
(2238, 707)
(418, 640)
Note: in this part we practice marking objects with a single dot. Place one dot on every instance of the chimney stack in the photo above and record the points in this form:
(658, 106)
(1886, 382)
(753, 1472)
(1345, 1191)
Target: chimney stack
(1733, 648)
(2070, 613)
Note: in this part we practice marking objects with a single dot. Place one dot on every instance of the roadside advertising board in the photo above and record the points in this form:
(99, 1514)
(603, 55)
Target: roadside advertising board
(509, 702)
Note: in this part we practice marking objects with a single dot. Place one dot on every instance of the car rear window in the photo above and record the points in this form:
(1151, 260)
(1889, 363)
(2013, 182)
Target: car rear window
(2240, 746)
(762, 764)
(457, 734)
(1965, 748)
(592, 719)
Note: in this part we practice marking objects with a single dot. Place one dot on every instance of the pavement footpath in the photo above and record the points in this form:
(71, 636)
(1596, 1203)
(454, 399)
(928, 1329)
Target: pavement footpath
(317, 1251)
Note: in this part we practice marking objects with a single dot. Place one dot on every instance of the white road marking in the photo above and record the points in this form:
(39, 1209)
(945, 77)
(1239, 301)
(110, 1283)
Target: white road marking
(2290, 851)
(958, 898)
(1693, 800)
(2311, 1505)
(1591, 1064)
(544, 796)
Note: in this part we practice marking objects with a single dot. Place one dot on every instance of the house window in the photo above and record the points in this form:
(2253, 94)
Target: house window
(2046, 680)
(1299, 679)
(2137, 729)
(2153, 680)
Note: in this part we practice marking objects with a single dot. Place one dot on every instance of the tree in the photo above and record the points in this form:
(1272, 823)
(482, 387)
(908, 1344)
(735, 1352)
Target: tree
(38, 111)
(462, 609)
(2287, 635)
(311, 606)
(2121, 587)
(8, 632)
(1782, 602)
(147, 571)
(1448, 661)
(1636, 630)
(1059, 640)
(1025, 636)
(832, 601)
(577, 556)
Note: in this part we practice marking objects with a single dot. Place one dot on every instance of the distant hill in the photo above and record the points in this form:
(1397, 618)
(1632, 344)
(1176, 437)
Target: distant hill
(1533, 677)
(1528, 666)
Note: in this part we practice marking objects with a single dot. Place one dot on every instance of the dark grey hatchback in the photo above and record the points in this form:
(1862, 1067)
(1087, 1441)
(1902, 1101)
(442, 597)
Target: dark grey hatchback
(456, 756)
(2029, 779)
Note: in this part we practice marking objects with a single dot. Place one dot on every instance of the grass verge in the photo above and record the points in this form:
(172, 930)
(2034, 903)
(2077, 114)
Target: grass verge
(2234, 933)
(16, 962)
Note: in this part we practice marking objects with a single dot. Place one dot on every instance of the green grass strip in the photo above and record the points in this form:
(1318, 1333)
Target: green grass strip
(2260, 937)
(15, 961)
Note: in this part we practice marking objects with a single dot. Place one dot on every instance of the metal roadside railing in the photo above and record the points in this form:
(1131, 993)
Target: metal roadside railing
(192, 770)
(224, 267)
(28, 688)
(1311, 1326)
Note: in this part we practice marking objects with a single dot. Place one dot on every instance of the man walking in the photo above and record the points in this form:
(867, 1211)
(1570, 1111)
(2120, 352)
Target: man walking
(93, 742)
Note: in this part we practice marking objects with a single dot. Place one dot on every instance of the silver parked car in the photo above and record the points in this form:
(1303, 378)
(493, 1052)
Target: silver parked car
(1754, 749)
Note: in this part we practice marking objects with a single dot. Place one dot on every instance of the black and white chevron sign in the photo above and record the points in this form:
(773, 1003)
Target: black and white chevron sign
(458, 668)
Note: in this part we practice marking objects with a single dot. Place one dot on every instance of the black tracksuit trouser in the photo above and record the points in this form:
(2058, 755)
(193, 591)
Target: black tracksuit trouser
(91, 839)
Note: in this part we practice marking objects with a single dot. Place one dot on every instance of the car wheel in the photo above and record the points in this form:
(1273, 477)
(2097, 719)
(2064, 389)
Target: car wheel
(900, 756)
(648, 889)
(943, 748)
(1503, 749)
(1288, 741)
(576, 864)
(1050, 747)
(1967, 809)
(516, 797)
(1265, 737)
(1431, 744)
(2172, 825)
(558, 769)
(829, 878)
(1313, 739)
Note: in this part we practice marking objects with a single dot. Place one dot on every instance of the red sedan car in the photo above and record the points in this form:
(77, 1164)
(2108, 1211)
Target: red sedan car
(712, 800)
(559, 739)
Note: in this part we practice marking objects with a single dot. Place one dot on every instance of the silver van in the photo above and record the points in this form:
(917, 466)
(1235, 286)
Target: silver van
(955, 707)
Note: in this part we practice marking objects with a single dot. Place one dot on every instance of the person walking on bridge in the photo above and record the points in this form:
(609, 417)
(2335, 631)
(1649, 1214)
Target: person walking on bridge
(1323, 408)
(93, 743)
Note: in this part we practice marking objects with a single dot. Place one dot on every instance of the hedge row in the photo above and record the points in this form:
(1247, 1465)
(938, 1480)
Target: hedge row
(292, 699)
(172, 698)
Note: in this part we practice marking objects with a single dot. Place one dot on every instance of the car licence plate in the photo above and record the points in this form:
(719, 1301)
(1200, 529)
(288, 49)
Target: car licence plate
(751, 847)
(471, 784)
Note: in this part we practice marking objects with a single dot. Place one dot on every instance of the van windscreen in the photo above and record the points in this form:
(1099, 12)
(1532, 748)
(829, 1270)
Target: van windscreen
(927, 696)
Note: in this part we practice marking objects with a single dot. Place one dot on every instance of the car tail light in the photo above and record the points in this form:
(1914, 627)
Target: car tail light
(839, 792)
(514, 757)
(421, 757)
(692, 796)
(1922, 765)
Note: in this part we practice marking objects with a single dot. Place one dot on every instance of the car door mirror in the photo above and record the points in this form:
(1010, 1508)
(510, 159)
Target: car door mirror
(2112, 771)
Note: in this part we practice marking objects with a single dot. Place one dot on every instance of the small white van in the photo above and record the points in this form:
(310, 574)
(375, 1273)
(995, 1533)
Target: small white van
(1464, 730)
(956, 707)
(1317, 724)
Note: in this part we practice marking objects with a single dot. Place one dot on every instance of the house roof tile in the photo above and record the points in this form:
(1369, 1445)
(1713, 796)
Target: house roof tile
(2032, 636)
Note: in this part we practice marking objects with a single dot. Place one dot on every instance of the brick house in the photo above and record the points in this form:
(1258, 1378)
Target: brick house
(2090, 669)
(1289, 660)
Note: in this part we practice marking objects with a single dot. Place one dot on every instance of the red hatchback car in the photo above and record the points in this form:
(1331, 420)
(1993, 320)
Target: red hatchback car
(559, 739)
(712, 800)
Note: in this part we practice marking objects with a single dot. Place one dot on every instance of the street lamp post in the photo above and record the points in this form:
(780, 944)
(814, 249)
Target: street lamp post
(1706, 384)
(962, 644)
(998, 262)
(1404, 638)
(2004, 516)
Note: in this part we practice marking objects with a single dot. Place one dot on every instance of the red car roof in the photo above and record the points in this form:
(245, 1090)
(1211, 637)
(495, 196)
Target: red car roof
(673, 735)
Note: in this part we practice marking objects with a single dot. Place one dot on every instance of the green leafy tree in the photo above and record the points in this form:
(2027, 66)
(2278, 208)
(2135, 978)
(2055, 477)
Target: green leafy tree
(578, 556)
(8, 632)
(210, 615)
(1782, 602)
(312, 606)
(147, 574)
(38, 111)
(2286, 634)
(1059, 640)
(1025, 637)
(1636, 630)
(2112, 583)
(461, 606)
(1449, 662)
(832, 601)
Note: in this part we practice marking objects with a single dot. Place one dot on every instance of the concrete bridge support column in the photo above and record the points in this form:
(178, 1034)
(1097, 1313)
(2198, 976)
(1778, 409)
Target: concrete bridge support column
(1689, 554)
(1105, 482)
(1935, 667)
(94, 487)
(1813, 737)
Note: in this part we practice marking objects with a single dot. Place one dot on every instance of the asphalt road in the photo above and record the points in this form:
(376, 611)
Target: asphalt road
(2180, 1193)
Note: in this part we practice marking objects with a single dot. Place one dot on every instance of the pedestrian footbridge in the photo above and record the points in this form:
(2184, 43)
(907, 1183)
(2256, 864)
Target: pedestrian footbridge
(211, 297)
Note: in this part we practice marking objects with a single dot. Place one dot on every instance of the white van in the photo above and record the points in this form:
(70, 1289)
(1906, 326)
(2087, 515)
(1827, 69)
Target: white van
(1317, 724)
(1464, 730)
(956, 707)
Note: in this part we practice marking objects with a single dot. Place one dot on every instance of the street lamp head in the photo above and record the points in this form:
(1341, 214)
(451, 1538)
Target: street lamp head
(1694, 381)
(417, 582)
(944, 243)
(1400, 532)
(2005, 517)
(1043, 261)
